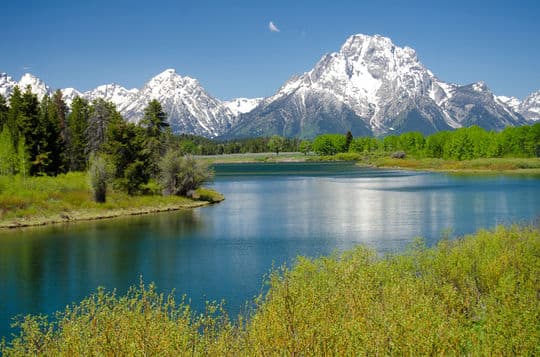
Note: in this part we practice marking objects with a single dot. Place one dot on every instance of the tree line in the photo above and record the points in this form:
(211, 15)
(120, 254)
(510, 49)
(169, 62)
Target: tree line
(49, 138)
(461, 144)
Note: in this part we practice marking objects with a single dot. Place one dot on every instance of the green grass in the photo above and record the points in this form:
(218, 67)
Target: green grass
(478, 295)
(526, 165)
(41, 200)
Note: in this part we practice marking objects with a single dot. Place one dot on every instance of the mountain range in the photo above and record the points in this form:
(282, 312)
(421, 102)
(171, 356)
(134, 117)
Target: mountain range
(370, 86)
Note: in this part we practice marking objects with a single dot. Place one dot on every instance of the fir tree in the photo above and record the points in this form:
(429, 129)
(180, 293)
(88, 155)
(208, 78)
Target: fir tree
(77, 123)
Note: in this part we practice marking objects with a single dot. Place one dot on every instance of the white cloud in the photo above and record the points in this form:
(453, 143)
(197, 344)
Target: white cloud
(272, 27)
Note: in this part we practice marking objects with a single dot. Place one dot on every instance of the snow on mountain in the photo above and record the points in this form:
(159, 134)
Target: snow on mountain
(120, 96)
(69, 94)
(6, 85)
(37, 86)
(530, 107)
(242, 105)
(387, 89)
(370, 86)
(189, 107)
(512, 102)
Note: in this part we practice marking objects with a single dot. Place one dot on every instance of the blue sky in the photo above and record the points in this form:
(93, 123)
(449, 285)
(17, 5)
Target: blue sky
(229, 48)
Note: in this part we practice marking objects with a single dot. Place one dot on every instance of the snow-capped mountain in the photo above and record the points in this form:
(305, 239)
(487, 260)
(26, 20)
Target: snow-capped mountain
(189, 107)
(370, 86)
(374, 86)
(530, 107)
(120, 96)
(6, 85)
(511, 102)
(242, 105)
(37, 86)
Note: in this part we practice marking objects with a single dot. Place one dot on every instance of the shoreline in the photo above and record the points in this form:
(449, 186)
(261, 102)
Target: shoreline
(492, 166)
(86, 215)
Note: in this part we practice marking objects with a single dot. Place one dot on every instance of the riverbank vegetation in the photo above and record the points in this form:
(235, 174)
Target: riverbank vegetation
(28, 201)
(52, 156)
(477, 295)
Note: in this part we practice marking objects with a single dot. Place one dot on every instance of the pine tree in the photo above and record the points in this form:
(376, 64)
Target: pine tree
(28, 124)
(101, 115)
(155, 119)
(155, 124)
(77, 124)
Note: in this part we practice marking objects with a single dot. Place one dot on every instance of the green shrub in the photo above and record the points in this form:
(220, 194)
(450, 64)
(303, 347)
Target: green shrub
(99, 175)
(474, 296)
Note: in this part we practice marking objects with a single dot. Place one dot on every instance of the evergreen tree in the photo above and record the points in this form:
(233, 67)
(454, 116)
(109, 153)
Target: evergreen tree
(77, 124)
(101, 115)
(15, 103)
(348, 140)
(155, 123)
(28, 123)
(154, 120)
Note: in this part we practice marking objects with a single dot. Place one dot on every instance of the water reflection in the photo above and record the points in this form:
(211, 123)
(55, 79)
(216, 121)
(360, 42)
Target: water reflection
(271, 214)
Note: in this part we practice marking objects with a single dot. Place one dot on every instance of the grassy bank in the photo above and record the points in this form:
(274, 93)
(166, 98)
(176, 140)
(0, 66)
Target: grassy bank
(43, 200)
(254, 158)
(507, 165)
(478, 295)
(494, 165)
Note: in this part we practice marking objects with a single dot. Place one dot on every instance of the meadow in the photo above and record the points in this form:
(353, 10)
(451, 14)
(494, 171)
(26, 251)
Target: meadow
(478, 295)
(67, 197)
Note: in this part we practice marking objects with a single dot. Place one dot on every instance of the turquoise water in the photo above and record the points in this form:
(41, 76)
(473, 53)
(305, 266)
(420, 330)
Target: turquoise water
(272, 213)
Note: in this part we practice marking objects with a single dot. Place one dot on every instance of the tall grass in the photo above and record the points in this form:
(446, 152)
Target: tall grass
(29, 200)
(476, 295)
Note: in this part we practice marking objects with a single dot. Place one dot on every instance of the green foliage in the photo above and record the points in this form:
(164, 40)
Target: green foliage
(305, 147)
(461, 144)
(35, 200)
(99, 175)
(7, 152)
(77, 142)
(155, 119)
(276, 144)
(474, 296)
(182, 175)
(329, 144)
(135, 176)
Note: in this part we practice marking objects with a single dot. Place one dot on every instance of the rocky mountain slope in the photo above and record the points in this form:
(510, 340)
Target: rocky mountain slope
(370, 86)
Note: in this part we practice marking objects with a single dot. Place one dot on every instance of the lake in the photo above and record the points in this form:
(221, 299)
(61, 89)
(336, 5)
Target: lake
(272, 213)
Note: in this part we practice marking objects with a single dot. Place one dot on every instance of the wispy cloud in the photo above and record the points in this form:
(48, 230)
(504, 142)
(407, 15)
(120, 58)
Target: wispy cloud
(272, 27)
(26, 68)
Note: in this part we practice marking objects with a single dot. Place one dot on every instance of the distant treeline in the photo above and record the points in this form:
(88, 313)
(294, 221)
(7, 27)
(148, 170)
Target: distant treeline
(461, 144)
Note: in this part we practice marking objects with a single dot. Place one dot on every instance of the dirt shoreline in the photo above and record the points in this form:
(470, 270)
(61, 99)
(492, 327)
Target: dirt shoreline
(84, 215)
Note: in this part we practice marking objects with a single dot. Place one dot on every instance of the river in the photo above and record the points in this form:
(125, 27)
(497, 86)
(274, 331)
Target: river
(272, 213)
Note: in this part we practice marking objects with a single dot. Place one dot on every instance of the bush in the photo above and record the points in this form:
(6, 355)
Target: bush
(473, 296)
(182, 175)
(99, 175)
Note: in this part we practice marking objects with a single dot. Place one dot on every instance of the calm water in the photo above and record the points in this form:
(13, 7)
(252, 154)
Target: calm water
(272, 213)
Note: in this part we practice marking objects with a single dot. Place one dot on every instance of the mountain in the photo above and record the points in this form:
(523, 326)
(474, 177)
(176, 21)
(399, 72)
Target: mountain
(242, 105)
(37, 86)
(6, 85)
(370, 86)
(373, 86)
(530, 107)
(190, 108)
